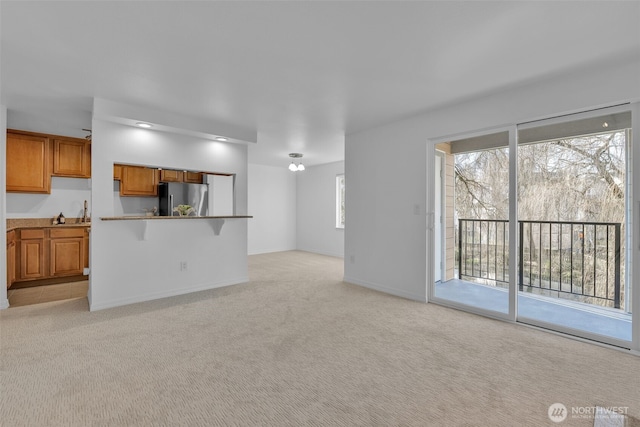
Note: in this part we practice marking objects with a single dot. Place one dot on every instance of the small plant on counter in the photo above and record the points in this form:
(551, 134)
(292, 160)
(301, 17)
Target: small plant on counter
(184, 210)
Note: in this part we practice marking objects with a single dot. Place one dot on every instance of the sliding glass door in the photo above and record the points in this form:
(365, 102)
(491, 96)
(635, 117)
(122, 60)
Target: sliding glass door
(534, 224)
(471, 244)
(573, 211)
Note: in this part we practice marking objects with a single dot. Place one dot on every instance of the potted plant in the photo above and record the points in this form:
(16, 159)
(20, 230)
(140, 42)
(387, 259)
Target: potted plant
(184, 210)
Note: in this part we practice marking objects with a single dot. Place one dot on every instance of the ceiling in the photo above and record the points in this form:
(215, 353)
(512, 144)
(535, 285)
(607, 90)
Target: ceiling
(300, 74)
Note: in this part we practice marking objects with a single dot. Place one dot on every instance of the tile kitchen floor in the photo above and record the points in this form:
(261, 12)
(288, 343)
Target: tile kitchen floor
(47, 293)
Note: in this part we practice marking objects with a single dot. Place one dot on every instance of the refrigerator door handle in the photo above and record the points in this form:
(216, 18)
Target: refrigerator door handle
(170, 213)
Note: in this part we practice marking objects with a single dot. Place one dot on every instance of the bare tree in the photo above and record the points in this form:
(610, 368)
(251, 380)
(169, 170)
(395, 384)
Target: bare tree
(577, 179)
(580, 179)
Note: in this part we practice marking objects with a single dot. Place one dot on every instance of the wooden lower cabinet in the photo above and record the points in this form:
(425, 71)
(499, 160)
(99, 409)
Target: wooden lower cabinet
(86, 248)
(66, 252)
(11, 258)
(32, 254)
(46, 253)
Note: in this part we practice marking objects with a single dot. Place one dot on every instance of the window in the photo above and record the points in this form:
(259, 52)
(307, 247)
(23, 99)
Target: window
(340, 201)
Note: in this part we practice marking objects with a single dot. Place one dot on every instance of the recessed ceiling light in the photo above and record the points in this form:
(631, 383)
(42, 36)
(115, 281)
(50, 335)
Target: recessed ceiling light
(222, 139)
(143, 125)
(605, 125)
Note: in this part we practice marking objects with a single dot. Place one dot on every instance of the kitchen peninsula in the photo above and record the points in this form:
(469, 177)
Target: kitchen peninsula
(216, 221)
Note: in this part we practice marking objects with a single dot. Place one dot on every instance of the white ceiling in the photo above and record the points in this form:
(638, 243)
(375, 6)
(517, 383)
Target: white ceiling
(300, 74)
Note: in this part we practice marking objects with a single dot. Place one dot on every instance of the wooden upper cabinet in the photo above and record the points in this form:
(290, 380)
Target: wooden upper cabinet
(71, 158)
(28, 163)
(195, 177)
(32, 158)
(139, 181)
(170, 175)
(117, 172)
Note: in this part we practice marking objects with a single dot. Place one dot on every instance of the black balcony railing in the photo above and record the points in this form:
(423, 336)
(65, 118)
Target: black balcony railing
(578, 258)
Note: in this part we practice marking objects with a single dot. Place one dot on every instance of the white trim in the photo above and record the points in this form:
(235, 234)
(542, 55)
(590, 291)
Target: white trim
(628, 211)
(634, 268)
(4, 302)
(381, 288)
(165, 294)
(576, 332)
(319, 252)
(339, 225)
(588, 114)
(514, 245)
(472, 134)
(429, 230)
(439, 216)
(579, 338)
(431, 293)
(492, 314)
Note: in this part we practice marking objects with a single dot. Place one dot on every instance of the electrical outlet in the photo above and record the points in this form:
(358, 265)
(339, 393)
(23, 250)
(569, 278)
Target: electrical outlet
(183, 265)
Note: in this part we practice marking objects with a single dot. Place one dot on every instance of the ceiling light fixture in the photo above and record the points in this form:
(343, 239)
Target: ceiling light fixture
(605, 125)
(293, 167)
(222, 139)
(143, 125)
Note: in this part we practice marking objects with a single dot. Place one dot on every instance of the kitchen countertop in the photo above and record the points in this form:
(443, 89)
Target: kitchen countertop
(17, 223)
(122, 218)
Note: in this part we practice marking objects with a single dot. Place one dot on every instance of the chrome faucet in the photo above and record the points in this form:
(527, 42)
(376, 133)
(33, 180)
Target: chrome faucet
(85, 217)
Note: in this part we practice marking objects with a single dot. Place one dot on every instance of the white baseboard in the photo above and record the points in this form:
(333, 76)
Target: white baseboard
(4, 304)
(386, 290)
(320, 252)
(164, 294)
(270, 251)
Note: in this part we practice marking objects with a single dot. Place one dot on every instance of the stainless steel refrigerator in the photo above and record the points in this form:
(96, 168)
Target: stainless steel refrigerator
(172, 194)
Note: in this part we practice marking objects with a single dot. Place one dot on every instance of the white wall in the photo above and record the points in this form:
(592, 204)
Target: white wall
(125, 268)
(316, 210)
(4, 302)
(272, 202)
(67, 196)
(61, 122)
(131, 206)
(386, 169)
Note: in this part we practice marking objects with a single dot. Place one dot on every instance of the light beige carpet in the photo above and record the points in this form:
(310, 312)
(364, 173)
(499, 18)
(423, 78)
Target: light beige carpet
(295, 347)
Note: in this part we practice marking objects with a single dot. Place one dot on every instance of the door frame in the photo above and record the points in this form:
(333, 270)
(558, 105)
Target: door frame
(631, 222)
(633, 237)
(439, 229)
(510, 316)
